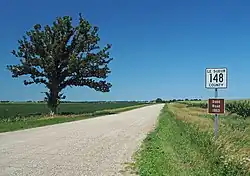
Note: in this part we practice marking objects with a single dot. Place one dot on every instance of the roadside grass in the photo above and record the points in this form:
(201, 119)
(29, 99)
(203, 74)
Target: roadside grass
(183, 144)
(25, 123)
(234, 138)
(234, 131)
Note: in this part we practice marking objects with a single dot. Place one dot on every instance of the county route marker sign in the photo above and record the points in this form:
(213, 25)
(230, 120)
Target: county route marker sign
(216, 78)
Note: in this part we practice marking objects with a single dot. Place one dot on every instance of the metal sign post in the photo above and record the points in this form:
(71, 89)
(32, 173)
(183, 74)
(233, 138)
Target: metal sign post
(216, 118)
(216, 78)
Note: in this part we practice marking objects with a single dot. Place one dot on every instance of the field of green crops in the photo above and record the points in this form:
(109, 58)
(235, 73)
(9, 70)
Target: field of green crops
(239, 107)
(20, 110)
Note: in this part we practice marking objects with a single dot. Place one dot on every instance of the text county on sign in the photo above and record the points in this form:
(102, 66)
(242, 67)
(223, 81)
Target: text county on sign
(216, 106)
(216, 78)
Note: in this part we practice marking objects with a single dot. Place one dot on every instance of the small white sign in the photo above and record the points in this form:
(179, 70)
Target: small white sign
(216, 78)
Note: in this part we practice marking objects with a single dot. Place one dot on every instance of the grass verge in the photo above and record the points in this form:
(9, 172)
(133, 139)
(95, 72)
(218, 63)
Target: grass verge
(43, 121)
(234, 131)
(177, 147)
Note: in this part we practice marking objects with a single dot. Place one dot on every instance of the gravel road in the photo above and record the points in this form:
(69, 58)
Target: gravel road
(92, 147)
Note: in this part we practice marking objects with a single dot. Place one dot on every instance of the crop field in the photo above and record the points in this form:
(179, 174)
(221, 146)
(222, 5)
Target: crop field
(239, 107)
(18, 116)
(19, 110)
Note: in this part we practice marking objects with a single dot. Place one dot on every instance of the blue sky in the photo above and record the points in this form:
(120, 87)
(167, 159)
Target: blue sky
(160, 48)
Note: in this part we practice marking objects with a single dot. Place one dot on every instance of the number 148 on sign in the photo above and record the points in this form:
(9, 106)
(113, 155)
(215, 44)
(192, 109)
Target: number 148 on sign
(216, 78)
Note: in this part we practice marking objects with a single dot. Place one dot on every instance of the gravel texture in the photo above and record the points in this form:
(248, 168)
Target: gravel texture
(91, 147)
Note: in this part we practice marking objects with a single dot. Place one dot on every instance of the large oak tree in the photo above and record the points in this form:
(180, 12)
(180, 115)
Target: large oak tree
(63, 55)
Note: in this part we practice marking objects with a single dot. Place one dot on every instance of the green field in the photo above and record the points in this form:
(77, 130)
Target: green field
(20, 110)
(183, 143)
(77, 111)
(239, 107)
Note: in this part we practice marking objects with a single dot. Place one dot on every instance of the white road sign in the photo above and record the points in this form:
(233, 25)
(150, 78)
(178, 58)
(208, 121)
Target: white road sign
(216, 78)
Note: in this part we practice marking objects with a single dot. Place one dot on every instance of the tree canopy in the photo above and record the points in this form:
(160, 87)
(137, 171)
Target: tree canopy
(63, 55)
(158, 100)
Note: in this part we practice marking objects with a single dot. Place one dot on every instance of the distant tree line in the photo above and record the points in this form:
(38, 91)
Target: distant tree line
(174, 100)
(159, 100)
(4, 101)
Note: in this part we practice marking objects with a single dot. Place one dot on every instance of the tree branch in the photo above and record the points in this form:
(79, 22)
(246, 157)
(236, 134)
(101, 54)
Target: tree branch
(102, 86)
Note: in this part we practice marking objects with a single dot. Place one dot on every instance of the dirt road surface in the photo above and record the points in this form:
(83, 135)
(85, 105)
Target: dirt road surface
(93, 147)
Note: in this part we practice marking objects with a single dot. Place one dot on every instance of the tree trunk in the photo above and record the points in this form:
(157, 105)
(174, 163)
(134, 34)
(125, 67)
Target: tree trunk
(53, 111)
(53, 101)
